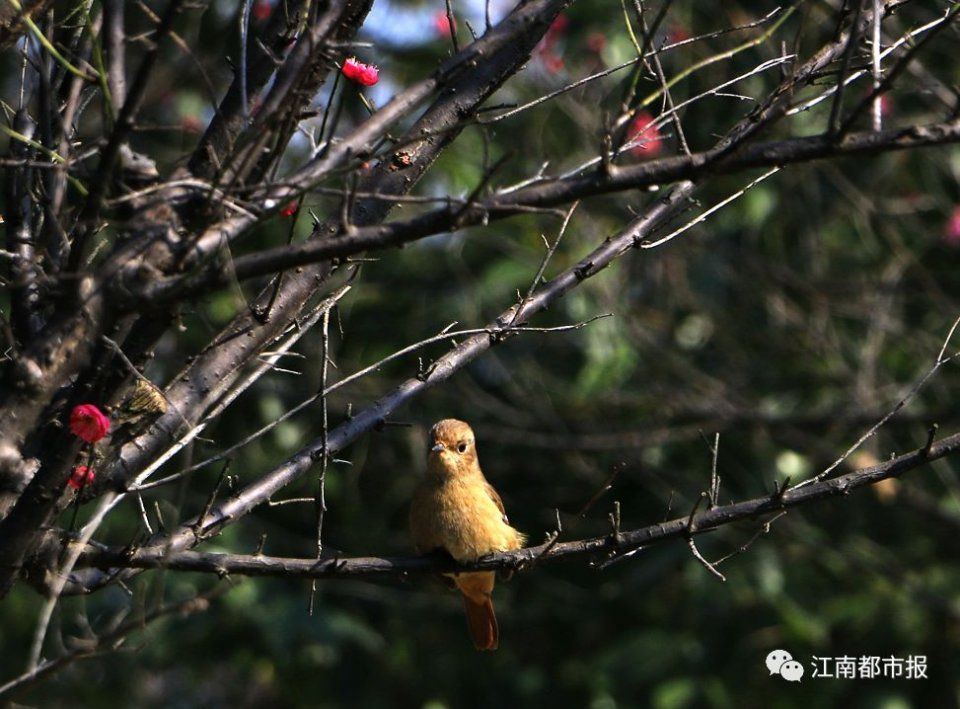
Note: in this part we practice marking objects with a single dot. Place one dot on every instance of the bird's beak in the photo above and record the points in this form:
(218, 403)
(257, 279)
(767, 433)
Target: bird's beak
(437, 448)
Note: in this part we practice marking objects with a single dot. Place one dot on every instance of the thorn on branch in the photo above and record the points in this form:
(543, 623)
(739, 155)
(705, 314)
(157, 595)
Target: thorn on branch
(714, 449)
(383, 423)
(780, 491)
(931, 435)
(666, 515)
(696, 505)
(423, 373)
(607, 485)
(551, 541)
(452, 24)
(614, 518)
(198, 525)
(346, 205)
(606, 146)
(161, 527)
(582, 271)
(478, 190)
(129, 551)
(615, 557)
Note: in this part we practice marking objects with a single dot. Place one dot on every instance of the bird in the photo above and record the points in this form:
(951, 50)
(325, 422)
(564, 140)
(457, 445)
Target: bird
(456, 510)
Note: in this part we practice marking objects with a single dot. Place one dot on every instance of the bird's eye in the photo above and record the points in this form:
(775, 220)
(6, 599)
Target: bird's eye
(462, 447)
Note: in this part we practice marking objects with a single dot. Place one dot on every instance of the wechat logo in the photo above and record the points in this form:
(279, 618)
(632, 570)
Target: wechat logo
(781, 662)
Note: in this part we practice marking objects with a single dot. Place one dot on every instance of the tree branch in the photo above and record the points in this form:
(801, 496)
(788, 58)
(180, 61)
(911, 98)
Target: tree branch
(442, 369)
(395, 567)
(250, 332)
(551, 194)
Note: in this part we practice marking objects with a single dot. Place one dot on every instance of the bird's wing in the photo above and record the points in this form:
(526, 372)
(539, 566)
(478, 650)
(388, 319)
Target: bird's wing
(497, 501)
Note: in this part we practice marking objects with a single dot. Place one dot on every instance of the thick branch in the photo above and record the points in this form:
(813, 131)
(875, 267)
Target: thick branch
(121, 132)
(552, 194)
(25, 320)
(297, 80)
(379, 567)
(358, 142)
(300, 463)
(442, 369)
(190, 394)
(233, 116)
(511, 42)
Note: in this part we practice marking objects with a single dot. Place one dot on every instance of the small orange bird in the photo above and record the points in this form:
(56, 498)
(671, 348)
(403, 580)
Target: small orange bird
(457, 510)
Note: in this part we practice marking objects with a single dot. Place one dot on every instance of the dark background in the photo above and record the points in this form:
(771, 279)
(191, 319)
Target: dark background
(789, 322)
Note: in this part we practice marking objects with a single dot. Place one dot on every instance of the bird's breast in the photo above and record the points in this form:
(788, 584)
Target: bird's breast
(461, 518)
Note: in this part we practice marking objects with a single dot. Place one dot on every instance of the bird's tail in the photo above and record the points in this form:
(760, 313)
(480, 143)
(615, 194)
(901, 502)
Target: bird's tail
(482, 622)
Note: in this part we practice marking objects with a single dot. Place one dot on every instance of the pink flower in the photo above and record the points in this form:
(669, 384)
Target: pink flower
(88, 422)
(289, 209)
(441, 23)
(644, 131)
(951, 230)
(80, 477)
(363, 74)
(262, 9)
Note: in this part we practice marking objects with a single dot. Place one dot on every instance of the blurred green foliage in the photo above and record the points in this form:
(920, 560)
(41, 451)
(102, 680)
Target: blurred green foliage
(789, 322)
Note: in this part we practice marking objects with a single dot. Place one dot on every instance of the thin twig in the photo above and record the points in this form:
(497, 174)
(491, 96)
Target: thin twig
(833, 126)
(444, 335)
(875, 64)
(551, 250)
(321, 497)
(906, 399)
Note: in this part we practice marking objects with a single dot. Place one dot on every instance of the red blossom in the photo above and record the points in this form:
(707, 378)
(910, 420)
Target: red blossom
(441, 23)
(262, 9)
(88, 423)
(678, 33)
(550, 37)
(553, 63)
(951, 230)
(644, 131)
(596, 42)
(289, 209)
(363, 74)
(80, 477)
(559, 25)
(191, 123)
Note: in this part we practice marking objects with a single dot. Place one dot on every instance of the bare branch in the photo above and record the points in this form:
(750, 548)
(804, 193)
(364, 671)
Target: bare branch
(338, 567)
(655, 172)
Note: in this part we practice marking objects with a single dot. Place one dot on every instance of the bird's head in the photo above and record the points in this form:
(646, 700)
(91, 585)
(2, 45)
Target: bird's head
(453, 450)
